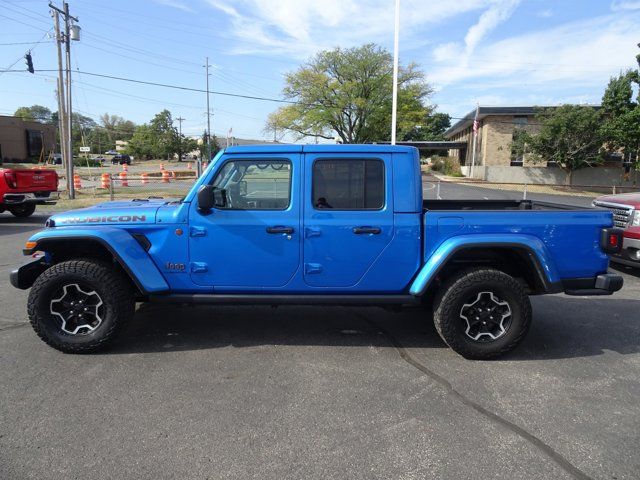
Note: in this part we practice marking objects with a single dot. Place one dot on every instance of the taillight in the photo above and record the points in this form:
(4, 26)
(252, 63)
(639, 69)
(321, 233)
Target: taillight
(611, 240)
(10, 178)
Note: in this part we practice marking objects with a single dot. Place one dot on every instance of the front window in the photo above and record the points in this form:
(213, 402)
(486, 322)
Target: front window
(255, 184)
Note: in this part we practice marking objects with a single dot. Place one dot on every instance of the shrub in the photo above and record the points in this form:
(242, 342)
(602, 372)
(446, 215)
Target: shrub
(447, 165)
(86, 162)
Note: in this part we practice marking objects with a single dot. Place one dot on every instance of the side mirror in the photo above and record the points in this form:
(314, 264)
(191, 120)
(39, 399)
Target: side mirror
(210, 196)
(205, 198)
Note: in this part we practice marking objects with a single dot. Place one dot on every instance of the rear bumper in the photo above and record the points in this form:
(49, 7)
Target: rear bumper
(30, 197)
(604, 284)
(630, 254)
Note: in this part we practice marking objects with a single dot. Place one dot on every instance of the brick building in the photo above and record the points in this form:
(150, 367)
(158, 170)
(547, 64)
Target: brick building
(497, 162)
(497, 126)
(22, 140)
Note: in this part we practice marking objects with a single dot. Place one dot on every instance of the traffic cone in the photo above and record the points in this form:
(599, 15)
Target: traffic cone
(162, 166)
(77, 182)
(123, 179)
(105, 181)
(125, 167)
(165, 176)
(145, 178)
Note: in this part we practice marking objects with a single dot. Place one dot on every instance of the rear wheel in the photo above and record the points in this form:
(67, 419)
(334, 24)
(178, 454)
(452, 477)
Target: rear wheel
(23, 210)
(482, 313)
(79, 306)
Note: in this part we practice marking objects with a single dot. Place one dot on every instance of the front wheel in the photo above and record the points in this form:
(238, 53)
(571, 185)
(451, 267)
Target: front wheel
(482, 313)
(79, 306)
(23, 210)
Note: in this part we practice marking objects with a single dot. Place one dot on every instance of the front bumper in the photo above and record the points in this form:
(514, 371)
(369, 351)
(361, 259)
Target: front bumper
(630, 254)
(24, 276)
(604, 284)
(31, 197)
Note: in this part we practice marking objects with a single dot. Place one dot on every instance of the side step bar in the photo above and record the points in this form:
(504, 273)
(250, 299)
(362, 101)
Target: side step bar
(269, 299)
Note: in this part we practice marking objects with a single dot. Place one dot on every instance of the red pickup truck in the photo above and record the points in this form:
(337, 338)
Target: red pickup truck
(626, 215)
(21, 189)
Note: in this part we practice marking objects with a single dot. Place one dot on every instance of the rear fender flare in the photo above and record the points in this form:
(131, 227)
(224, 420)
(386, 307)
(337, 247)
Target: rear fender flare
(546, 269)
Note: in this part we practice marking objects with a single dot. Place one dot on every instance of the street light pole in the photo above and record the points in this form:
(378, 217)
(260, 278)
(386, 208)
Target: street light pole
(394, 101)
(180, 120)
(206, 65)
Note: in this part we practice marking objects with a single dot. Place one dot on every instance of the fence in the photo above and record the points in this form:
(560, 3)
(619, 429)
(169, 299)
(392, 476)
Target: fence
(163, 183)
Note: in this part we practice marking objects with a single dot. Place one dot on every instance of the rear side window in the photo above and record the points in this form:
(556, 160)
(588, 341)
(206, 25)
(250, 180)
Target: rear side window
(356, 184)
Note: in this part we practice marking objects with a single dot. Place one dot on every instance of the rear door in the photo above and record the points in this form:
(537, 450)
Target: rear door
(348, 216)
(254, 241)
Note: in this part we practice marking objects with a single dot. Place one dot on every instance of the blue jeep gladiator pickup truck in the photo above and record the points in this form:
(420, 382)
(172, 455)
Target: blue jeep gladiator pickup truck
(320, 225)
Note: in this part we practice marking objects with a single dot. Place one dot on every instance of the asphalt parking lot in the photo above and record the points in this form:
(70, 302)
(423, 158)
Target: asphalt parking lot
(321, 392)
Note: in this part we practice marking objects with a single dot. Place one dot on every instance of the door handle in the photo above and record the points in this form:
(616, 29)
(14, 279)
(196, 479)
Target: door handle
(280, 230)
(367, 230)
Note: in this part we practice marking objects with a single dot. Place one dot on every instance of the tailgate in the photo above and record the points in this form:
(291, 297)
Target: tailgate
(36, 180)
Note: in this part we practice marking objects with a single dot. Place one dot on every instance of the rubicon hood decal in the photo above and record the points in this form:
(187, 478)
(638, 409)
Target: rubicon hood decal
(104, 219)
(113, 213)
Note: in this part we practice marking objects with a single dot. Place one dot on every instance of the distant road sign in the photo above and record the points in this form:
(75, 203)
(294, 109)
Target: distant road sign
(85, 149)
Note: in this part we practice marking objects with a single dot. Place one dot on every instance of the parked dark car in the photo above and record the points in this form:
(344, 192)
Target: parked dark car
(121, 159)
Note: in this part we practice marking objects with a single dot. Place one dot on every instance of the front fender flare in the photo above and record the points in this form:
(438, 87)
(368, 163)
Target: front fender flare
(533, 245)
(125, 249)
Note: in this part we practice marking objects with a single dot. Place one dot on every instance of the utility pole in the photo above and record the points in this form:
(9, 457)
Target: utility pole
(394, 100)
(62, 128)
(206, 65)
(71, 32)
(180, 120)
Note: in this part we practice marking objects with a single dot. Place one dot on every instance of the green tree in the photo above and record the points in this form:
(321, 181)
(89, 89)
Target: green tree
(143, 143)
(431, 128)
(570, 135)
(348, 93)
(157, 139)
(621, 113)
(116, 127)
(202, 145)
(36, 113)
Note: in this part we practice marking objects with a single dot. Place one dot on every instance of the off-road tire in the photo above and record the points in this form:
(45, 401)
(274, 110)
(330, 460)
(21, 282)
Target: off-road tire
(462, 287)
(23, 210)
(111, 285)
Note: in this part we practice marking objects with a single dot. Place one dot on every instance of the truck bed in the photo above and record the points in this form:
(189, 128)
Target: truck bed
(493, 205)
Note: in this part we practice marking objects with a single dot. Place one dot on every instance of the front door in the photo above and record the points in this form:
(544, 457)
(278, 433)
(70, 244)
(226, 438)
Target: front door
(254, 240)
(348, 216)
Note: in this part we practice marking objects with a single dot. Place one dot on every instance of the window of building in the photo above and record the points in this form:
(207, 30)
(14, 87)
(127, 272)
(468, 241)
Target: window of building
(34, 143)
(255, 184)
(348, 184)
(517, 155)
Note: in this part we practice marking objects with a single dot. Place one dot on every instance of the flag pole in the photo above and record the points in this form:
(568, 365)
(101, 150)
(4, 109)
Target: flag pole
(394, 101)
(475, 139)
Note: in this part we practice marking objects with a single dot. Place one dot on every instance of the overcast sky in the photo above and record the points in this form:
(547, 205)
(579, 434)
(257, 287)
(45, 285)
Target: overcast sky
(496, 52)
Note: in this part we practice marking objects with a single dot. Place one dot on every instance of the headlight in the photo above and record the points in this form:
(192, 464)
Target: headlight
(635, 221)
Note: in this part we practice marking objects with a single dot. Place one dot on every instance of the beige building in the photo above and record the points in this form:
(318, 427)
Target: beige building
(22, 140)
(121, 146)
(496, 161)
(496, 129)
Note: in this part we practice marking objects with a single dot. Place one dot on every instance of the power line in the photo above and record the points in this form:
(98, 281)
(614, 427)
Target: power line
(24, 43)
(33, 46)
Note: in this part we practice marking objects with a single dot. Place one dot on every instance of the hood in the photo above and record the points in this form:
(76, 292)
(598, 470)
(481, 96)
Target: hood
(631, 199)
(111, 213)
